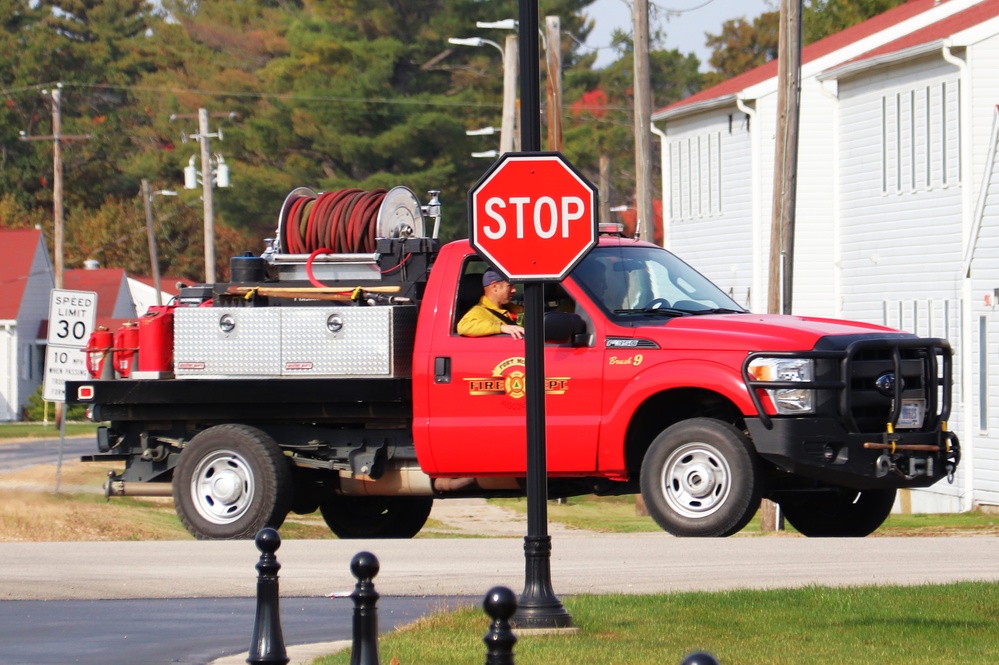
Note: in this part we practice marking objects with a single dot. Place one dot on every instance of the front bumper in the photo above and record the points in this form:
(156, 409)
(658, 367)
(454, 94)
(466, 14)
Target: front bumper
(822, 449)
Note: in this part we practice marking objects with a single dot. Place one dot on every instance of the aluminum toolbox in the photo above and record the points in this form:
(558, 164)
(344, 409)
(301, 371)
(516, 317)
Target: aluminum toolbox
(328, 341)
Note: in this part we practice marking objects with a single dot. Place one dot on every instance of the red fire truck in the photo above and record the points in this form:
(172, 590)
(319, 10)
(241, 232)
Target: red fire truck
(335, 380)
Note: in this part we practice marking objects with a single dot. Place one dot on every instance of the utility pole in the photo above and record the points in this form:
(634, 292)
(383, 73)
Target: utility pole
(553, 62)
(781, 269)
(781, 272)
(509, 139)
(605, 185)
(57, 236)
(645, 224)
(206, 194)
(203, 136)
(147, 200)
(57, 209)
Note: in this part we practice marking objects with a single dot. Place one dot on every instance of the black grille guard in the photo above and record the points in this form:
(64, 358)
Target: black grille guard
(937, 352)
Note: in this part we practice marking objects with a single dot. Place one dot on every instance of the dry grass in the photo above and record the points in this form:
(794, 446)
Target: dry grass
(31, 510)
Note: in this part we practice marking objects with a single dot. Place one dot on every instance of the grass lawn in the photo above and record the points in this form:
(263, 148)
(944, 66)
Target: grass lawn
(616, 514)
(44, 431)
(933, 624)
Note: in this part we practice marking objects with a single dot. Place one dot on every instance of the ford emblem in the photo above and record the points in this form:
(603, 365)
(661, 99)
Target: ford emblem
(885, 384)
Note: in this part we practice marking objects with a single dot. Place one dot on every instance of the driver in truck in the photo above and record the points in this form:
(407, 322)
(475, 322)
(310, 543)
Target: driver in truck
(494, 314)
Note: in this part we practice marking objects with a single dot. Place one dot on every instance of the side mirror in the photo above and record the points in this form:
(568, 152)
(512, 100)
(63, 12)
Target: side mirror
(561, 327)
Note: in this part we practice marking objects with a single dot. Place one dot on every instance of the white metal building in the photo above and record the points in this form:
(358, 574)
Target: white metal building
(897, 218)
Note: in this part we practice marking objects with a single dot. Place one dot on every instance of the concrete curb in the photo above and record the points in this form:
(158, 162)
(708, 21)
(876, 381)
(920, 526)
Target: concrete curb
(297, 654)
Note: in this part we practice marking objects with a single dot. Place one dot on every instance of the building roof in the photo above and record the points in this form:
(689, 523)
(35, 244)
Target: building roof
(105, 282)
(728, 90)
(19, 246)
(931, 36)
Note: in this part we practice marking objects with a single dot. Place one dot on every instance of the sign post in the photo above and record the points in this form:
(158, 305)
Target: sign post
(71, 320)
(533, 218)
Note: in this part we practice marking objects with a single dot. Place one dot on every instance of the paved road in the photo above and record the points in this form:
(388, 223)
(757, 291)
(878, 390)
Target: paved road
(22, 454)
(186, 631)
(636, 563)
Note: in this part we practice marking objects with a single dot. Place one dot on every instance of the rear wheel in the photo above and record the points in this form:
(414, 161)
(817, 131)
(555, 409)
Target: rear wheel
(838, 513)
(230, 482)
(701, 477)
(375, 516)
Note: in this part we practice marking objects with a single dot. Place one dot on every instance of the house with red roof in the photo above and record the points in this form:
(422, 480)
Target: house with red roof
(25, 282)
(27, 278)
(897, 215)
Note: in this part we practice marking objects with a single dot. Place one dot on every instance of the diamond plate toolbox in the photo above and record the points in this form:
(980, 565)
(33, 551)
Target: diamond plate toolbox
(221, 342)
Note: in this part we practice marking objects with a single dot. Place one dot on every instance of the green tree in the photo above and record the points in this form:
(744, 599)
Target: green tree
(744, 44)
(821, 18)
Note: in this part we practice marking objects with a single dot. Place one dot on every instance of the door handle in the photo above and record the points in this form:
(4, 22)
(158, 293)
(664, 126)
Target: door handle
(442, 370)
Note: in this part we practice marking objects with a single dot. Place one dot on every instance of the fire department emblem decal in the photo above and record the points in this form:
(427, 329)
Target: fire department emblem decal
(509, 378)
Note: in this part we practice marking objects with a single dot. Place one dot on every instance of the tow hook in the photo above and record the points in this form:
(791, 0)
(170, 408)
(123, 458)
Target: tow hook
(882, 466)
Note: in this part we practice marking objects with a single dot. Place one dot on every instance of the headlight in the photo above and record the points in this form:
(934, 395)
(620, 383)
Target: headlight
(787, 401)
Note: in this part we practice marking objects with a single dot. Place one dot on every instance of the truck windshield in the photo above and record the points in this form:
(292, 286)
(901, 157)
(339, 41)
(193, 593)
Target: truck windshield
(648, 281)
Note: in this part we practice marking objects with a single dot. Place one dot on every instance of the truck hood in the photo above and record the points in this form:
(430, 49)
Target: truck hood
(758, 332)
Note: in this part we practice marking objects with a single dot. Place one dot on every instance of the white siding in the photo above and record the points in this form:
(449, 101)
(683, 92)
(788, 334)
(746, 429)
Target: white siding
(8, 371)
(710, 224)
(898, 242)
(814, 276)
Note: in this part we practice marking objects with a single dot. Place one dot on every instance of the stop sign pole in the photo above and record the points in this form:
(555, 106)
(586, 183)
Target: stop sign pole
(536, 205)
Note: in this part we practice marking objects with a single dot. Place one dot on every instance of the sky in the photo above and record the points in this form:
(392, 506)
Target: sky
(685, 22)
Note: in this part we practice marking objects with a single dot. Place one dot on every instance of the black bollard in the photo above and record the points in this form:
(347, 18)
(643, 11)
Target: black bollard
(500, 604)
(268, 641)
(364, 566)
(699, 658)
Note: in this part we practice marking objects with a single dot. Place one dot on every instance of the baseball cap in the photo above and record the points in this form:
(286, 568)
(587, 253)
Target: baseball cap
(491, 276)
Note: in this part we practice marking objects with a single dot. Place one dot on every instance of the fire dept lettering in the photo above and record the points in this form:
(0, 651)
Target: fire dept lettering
(509, 378)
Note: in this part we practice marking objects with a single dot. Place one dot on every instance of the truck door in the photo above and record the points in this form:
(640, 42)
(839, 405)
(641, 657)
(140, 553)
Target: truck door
(477, 404)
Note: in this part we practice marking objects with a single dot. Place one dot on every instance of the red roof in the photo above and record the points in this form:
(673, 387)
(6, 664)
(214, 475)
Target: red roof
(105, 282)
(19, 248)
(811, 52)
(937, 31)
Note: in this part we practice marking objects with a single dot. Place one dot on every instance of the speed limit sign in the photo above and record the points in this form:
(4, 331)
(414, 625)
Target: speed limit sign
(71, 320)
(71, 317)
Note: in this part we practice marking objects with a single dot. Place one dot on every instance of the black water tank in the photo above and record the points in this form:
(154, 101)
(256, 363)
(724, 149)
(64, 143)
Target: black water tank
(247, 269)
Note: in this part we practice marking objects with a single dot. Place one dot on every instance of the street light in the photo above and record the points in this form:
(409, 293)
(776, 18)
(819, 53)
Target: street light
(510, 69)
(475, 41)
(508, 24)
(491, 154)
(485, 131)
(147, 200)
(505, 24)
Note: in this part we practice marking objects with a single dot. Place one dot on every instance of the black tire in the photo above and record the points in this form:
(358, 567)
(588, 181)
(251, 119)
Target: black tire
(230, 482)
(375, 516)
(838, 513)
(701, 477)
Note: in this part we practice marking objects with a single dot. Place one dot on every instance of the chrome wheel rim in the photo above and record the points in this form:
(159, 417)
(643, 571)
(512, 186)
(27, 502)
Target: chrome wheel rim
(696, 480)
(222, 487)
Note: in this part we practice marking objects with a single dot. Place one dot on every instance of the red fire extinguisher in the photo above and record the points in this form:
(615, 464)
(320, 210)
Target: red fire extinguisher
(126, 345)
(98, 349)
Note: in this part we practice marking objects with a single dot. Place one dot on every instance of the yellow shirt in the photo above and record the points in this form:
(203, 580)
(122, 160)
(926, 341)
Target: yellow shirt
(480, 321)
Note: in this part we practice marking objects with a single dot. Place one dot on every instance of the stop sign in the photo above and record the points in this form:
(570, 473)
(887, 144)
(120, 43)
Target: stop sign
(533, 216)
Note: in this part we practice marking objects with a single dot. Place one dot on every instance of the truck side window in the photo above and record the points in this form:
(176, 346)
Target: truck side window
(469, 289)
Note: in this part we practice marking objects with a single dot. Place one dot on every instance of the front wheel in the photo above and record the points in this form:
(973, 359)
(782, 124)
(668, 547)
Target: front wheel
(701, 477)
(375, 516)
(230, 482)
(838, 513)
